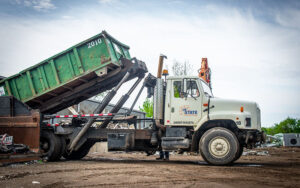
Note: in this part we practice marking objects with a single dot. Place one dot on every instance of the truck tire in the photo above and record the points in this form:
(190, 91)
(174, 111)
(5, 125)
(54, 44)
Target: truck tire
(50, 145)
(219, 146)
(62, 146)
(239, 153)
(81, 152)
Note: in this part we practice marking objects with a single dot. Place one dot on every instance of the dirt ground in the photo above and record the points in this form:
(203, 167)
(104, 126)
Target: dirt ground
(281, 168)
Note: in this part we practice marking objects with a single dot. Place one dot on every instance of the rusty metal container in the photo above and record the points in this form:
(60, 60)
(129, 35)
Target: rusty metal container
(23, 123)
(19, 121)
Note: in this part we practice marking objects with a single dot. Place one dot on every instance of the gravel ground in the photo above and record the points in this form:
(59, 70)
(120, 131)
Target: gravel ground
(279, 168)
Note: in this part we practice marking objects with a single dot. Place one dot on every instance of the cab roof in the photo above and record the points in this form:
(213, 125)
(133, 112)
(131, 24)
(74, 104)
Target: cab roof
(182, 77)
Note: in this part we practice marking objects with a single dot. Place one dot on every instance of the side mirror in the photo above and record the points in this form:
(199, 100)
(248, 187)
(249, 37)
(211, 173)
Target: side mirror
(183, 94)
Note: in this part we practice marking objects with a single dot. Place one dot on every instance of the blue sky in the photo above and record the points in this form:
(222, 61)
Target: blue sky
(252, 46)
(53, 9)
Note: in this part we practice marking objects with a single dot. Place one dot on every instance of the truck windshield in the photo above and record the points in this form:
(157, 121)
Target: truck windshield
(206, 89)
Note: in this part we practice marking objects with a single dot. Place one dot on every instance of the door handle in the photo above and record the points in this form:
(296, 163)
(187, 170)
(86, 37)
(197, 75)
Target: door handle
(172, 109)
(206, 109)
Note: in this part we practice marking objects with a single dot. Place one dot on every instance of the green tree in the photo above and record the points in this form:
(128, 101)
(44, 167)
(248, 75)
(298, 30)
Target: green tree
(269, 130)
(289, 125)
(147, 107)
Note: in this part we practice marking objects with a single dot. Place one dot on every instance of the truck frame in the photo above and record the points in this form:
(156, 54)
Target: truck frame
(187, 117)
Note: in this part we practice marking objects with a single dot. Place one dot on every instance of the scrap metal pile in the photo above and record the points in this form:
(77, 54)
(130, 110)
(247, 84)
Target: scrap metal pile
(7, 146)
(283, 139)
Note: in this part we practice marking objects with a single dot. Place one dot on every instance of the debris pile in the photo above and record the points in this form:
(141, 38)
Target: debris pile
(283, 139)
(7, 145)
(257, 153)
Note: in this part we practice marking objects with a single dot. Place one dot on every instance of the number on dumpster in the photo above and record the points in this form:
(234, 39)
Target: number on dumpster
(94, 43)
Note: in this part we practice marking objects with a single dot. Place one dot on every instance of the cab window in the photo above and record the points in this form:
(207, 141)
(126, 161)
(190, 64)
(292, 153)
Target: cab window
(206, 89)
(192, 88)
(177, 88)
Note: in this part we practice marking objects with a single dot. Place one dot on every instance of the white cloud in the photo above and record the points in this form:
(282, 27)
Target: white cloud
(17, 2)
(67, 17)
(290, 18)
(107, 1)
(38, 5)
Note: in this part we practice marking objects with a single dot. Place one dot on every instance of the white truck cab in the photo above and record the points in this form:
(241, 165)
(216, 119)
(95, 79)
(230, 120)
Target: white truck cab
(196, 121)
(189, 102)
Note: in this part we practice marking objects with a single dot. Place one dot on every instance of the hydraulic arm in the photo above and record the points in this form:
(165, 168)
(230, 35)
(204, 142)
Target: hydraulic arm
(138, 69)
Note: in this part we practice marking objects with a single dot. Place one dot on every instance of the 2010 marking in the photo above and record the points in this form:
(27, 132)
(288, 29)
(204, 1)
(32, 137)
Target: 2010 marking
(94, 43)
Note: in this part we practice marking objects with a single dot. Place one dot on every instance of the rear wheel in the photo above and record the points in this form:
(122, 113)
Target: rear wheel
(62, 146)
(50, 145)
(81, 152)
(219, 146)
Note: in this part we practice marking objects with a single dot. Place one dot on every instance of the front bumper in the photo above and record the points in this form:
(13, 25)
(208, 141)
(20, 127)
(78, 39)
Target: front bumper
(252, 138)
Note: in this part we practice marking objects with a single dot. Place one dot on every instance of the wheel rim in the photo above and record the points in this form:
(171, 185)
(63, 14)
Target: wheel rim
(219, 147)
(45, 146)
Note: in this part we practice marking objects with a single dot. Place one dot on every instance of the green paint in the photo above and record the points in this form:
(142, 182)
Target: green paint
(111, 51)
(36, 80)
(7, 87)
(30, 83)
(70, 64)
(44, 77)
(54, 71)
(79, 64)
(41, 79)
(15, 89)
(23, 86)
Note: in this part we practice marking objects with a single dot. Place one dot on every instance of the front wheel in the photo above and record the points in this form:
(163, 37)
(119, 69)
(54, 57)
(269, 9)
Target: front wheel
(239, 154)
(219, 146)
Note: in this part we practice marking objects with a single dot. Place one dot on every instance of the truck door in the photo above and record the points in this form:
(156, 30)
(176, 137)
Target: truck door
(185, 102)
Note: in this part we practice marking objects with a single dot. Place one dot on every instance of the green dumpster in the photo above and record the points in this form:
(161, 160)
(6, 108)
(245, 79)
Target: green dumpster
(71, 76)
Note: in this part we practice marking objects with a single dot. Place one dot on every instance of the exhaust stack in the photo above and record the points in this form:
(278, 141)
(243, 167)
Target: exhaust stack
(158, 94)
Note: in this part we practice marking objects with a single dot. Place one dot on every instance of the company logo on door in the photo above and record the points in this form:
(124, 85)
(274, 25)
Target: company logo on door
(186, 111)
